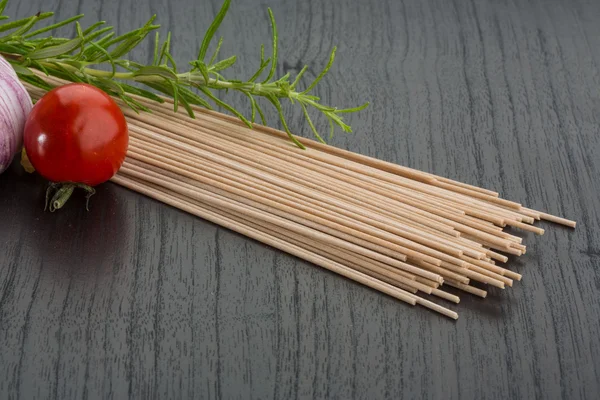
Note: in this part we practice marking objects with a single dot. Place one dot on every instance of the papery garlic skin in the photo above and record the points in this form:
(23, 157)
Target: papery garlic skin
(15, 106)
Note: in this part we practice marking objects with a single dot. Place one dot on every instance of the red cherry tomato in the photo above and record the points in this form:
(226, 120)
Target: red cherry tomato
(76, 133)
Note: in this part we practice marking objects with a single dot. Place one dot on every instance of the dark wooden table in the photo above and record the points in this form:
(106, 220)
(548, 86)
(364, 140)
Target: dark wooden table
(136, 299)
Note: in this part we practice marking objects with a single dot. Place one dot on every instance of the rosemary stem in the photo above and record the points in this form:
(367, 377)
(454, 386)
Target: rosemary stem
(191, 79)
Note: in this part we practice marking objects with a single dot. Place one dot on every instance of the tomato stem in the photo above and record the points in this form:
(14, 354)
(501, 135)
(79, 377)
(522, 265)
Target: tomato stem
(61, 196)
(62, 193)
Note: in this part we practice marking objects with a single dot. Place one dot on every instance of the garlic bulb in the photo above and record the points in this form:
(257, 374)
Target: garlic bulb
(15, 105)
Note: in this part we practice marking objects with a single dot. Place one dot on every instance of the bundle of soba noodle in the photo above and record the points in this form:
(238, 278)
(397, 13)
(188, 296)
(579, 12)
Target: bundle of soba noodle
(403, 232)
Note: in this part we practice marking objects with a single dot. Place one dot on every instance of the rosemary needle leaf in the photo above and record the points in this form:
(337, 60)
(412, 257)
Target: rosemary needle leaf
(193, 98)
(260, 112)
(10, 49)
(331, 128)
(91, 53)
(322, 74)
(175, 95)
(212, 29)
(107, 55)
(141, 92)
(187, 107)
(299, 76)
(352, 110)
(161, 87)
(216, 53)
(253, 105)
(274, 55)
(93, 35)
(284, 79)
(226, 106)
(156, 44)
(136, 32)
(172, 61)
(277, 105)
(165, 48)
(61, 71)
(36, 81)
(22, 70)
(223, 64)
(15, 24)
(204, 71)
(82, 38)
(339, 122)
(25, 28)
(54, 51)
(310, 123)
(134, 105)
(262, 67)
(105, 40)
(161, 71)
(92, 27)
(53, 26)
(39, 66)
(189, 96)
(111, 85)
(75, 66)
(126, 46)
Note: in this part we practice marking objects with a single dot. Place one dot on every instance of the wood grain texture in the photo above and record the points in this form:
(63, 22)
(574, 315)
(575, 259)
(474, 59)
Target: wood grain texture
(137, 300)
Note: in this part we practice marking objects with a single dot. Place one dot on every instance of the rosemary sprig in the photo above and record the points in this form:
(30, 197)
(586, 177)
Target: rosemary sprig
(81, 59)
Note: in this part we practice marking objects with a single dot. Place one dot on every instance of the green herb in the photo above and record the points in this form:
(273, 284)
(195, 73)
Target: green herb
(79, 60)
